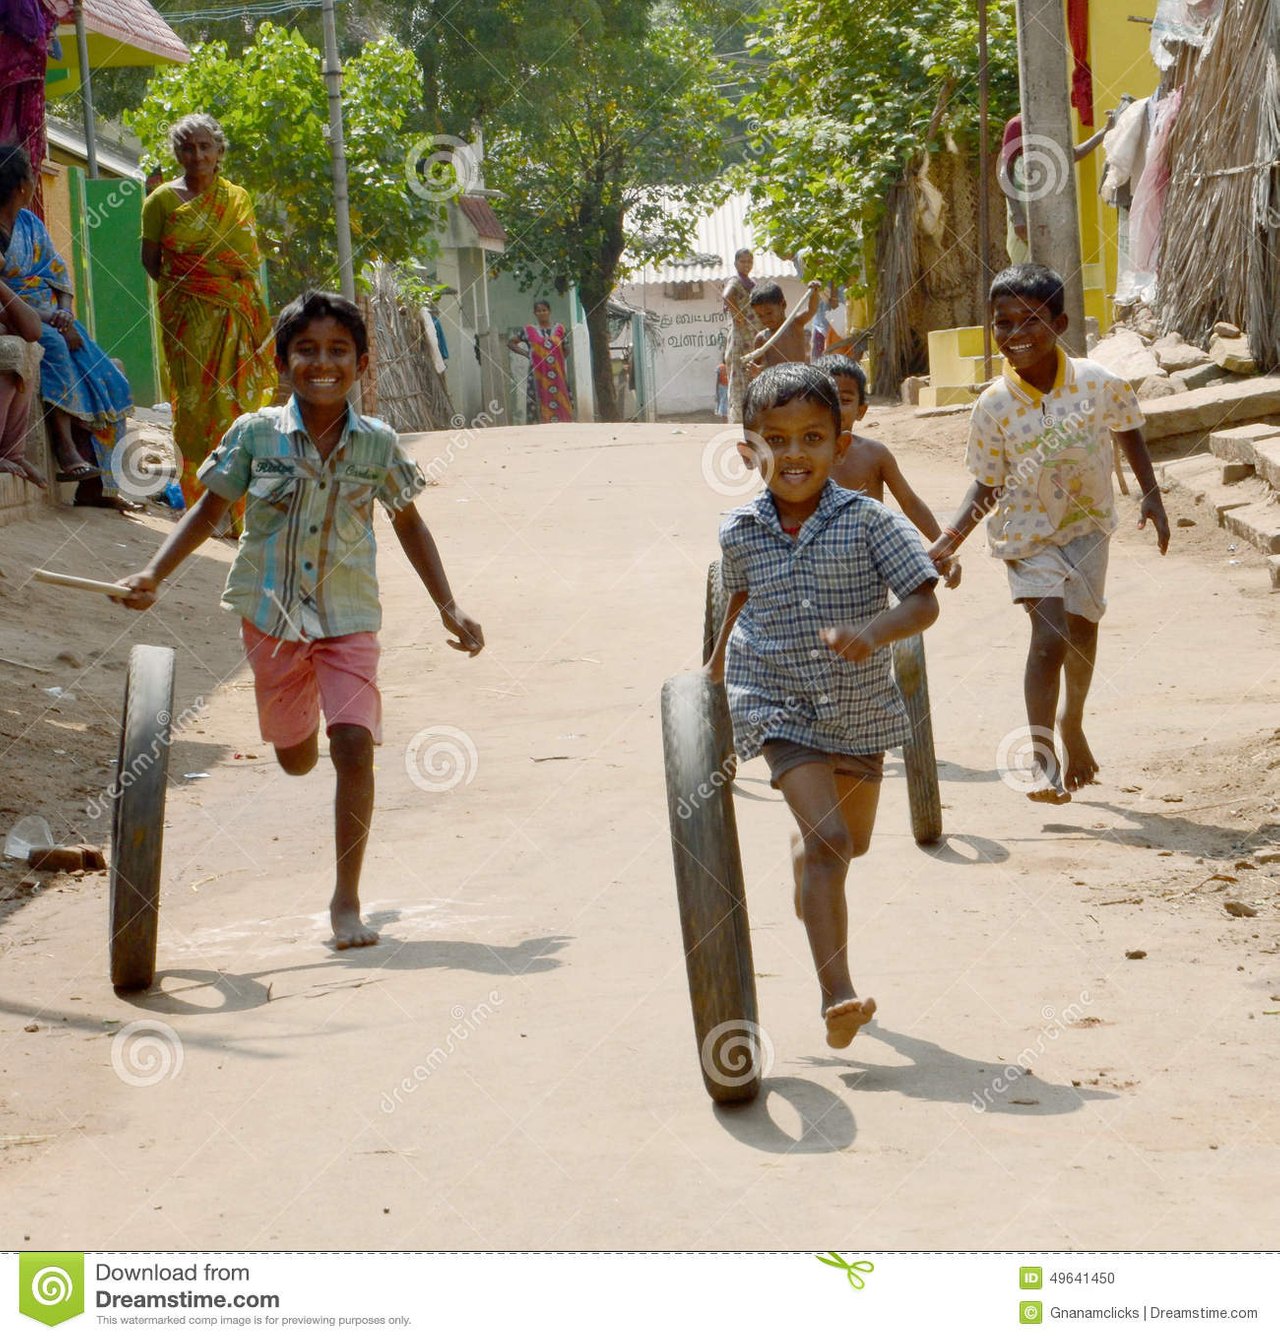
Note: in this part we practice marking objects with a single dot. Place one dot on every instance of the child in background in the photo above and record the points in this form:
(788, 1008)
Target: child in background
(782, 339)
(304, 579)
(869, 466)
(804, 649)
(1041, 453)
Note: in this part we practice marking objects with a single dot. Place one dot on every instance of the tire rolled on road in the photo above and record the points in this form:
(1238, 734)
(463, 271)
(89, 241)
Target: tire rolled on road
(715, 608)
(709, 889)
(918, 756)
(137, 821)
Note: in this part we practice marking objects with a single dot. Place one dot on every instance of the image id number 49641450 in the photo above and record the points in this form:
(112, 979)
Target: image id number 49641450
(1083, 1277)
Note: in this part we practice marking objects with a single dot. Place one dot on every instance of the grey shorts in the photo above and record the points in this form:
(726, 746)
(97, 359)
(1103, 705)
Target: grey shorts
(783, 755)
(1075, 573)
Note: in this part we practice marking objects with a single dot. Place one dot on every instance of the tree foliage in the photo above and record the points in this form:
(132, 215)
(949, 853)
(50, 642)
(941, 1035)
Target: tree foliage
(851, 96)
(620, 153)
(272, 103)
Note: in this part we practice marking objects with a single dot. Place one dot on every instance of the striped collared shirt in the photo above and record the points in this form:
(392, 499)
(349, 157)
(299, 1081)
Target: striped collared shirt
(306, 563)
(783, 682)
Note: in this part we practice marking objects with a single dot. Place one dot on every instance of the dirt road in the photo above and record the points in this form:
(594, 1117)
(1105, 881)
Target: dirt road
(513, 1066)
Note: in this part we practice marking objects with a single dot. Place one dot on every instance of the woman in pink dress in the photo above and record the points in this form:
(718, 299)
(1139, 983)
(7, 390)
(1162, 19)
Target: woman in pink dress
(547, 394)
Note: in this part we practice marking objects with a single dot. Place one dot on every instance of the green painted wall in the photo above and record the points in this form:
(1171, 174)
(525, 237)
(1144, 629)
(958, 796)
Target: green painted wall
(110, 224)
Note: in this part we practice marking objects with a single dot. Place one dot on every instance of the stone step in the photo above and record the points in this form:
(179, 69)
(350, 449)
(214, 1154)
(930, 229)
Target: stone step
(1258, 523)
(1273, 566)
(1177, 424)
(1234, 473)
(1237, 444)
(1267, 462)
(1199, 478)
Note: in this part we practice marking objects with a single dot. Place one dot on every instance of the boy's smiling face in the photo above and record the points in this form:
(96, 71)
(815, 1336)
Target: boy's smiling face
(322, 362)
(1026, 333)
(795, 447)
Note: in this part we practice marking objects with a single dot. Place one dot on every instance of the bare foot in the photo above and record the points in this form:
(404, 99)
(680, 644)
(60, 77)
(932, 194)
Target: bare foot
(844, 1018)
(797, 869)
(1082, 767)
(23, 469)
(349, 932)
(1047, 788)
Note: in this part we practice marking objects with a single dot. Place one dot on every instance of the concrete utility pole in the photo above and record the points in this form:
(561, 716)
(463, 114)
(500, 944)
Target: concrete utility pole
(338, 152)
(86, 95)
(1048, 162)
(984, 190)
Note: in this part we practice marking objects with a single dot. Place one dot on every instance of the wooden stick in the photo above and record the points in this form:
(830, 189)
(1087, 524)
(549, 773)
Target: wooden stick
(81, 583)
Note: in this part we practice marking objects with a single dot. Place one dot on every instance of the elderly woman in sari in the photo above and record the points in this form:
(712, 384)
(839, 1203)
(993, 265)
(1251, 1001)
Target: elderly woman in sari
(200, 245)
(87, 397)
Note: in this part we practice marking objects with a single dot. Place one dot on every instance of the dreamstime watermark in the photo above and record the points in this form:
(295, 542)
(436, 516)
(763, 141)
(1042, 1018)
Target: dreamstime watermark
(1043, 168)
(146, 1053)
(727, 471)
(1027, 759)
(1055, 1023)
(438, 758)
(464, 1025)
(141, 467)
(737, 1052)
(133, 770)
(461, 438)
(761, 725)
(442, 167)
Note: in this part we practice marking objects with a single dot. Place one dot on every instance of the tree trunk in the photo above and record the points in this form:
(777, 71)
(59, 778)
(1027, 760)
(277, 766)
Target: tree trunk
(601, 363)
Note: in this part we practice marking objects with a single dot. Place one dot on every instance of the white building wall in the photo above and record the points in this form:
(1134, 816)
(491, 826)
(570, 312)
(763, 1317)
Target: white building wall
(692, 331)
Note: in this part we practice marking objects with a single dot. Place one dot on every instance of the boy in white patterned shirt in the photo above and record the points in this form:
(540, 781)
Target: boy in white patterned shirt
(1040, 451)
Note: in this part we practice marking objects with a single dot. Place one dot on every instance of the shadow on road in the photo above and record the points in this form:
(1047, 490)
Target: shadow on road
(940, 1076)
(1168, 832)
(967, 849)
(826, 1123)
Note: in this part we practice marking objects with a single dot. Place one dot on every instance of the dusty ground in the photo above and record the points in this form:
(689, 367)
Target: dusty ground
(514, 1066)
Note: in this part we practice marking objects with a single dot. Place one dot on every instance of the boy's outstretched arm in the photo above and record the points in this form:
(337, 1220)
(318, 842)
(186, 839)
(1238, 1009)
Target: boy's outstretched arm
(800, 315)
(979, 500)
(190, 533)
(1134, 446)
(914, 507)
(911, 615)
(420, 549)
(714, 668)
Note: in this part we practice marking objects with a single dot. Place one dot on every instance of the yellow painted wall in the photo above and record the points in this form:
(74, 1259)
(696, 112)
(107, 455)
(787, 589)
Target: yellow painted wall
(57, 206)
(1120, 55)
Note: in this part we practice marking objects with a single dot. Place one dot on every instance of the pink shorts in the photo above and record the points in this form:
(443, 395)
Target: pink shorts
(293, 681)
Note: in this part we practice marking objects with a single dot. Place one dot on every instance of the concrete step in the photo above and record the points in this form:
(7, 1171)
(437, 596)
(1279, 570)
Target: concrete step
(1267, 462)
(1237, 444)
(1199, 479)
(1258, 523)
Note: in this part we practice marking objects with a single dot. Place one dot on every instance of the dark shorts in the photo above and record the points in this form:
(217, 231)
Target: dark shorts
(783, 755)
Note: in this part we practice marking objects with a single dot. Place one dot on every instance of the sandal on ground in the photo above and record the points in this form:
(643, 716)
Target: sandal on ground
(79, 472)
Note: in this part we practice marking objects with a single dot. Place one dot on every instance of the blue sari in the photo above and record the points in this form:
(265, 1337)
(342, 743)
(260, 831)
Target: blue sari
(84, 381)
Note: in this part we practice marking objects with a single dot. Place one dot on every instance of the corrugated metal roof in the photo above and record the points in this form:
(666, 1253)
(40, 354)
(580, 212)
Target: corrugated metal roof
(719, 234)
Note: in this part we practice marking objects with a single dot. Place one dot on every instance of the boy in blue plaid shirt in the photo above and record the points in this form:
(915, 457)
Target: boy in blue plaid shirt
(804, 649)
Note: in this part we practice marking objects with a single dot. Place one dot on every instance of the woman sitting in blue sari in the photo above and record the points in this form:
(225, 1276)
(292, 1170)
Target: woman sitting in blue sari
(86, 394)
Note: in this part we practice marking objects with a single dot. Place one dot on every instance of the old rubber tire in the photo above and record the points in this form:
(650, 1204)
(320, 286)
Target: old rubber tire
(715, 607)
(709, 888)
(918, 755)
(137, 822)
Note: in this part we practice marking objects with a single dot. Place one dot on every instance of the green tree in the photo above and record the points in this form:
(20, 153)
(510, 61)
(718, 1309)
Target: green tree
(616, 151)
(851, 97)
(272, 104)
